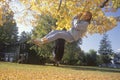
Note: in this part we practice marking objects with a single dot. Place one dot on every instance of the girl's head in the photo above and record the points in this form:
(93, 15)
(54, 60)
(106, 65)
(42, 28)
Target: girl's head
(87, 16)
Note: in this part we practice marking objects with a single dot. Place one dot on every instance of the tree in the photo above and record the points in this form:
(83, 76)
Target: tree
(82, 58)
(1, 12)
(105, 49)
(91, 58)
(4, 8)
(105, 46)
(27, 55)
(117, 58)
(72, 51)
(9, 30)
(116, 4)
(63, 11)
(24, 38)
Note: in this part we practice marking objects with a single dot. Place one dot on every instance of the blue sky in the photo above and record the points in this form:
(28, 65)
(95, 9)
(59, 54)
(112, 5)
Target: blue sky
(93, 41)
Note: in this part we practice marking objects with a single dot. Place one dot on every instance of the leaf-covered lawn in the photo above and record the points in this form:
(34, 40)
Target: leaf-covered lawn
(14, 71)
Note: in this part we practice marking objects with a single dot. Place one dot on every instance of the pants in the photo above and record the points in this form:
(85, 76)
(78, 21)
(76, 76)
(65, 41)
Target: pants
(59, 34)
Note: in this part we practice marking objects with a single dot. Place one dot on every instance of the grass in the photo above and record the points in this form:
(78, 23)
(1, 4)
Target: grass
(14, 71)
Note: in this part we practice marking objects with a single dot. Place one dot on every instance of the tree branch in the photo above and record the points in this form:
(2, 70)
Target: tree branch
(117, 18)
(103, 4)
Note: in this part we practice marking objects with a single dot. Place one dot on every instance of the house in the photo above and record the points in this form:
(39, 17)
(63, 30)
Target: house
(2, 56)
(117, 60)
(11, 52)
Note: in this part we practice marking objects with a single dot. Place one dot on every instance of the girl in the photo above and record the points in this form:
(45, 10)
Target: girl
(79, 26)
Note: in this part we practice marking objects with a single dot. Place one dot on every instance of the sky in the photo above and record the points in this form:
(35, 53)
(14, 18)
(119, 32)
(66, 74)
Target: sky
(91, 42)
(22, 16)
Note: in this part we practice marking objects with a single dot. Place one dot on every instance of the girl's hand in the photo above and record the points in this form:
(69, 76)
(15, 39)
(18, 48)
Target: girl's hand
(79, 15)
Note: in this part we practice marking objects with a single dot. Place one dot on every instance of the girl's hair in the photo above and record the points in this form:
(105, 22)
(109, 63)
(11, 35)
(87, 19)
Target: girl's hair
(90, 14)
(86, 12)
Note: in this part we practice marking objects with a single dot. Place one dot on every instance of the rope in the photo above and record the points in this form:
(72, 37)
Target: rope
(60, 5)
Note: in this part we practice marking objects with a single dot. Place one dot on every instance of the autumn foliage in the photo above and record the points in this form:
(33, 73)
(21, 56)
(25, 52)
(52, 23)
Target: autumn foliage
(64, 10)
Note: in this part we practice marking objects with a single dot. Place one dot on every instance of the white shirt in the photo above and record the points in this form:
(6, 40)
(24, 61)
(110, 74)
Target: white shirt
(78, 28)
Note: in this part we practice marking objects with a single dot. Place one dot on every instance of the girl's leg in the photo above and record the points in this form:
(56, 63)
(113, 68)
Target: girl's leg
(54, 35)
(40, 41)
(52, 32)
(60, 34)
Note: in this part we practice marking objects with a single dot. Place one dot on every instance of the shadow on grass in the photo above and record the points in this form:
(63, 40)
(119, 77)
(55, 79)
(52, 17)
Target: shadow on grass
(90, 68)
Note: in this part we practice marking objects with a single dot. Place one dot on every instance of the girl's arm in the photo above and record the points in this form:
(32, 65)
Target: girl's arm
(77, 17)
(73, 20)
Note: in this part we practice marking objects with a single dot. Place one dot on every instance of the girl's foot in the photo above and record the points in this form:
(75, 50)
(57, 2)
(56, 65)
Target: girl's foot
(37, 42)
(40, 41)
(44, 40)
